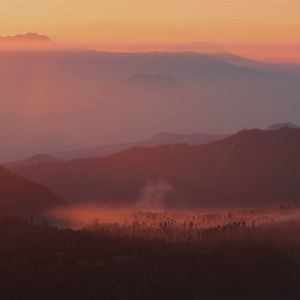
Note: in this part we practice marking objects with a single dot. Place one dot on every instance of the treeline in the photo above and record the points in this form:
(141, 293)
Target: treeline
(39, 261)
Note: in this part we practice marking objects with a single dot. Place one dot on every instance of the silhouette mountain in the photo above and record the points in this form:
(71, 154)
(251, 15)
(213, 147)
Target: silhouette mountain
(21, 196)
(241, 61)
(26, 38)
(156, 140)
(250, 168)
(281, 125)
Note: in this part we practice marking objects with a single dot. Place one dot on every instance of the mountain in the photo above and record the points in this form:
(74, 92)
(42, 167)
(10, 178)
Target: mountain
(156, 140)
(250, 168)
(165, 138)
(88, 91)
(240, 61)
(281, 125)
(28, 37)
(28, 41)
(21, 196)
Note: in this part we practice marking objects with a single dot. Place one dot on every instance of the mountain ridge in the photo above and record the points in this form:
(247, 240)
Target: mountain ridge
(282, 125)
(250, 168)
(155, 140)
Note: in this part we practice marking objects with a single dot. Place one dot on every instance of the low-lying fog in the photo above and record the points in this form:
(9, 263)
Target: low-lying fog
(86, 215)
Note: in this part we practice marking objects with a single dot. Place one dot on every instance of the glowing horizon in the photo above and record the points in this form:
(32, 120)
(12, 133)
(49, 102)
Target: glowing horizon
(258, 30)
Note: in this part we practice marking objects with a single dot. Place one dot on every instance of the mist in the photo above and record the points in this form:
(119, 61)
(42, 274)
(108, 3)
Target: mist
(88, 215)
(57, 100)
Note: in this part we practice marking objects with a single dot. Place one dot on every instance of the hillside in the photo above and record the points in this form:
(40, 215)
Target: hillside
(251, 168)
(21, 196)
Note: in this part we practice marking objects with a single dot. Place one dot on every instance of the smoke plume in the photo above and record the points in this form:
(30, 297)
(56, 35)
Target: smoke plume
(155, 195)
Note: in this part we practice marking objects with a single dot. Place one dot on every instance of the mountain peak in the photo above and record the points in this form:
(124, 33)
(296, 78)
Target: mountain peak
(27, 40)
(29, 36)
(282, 125)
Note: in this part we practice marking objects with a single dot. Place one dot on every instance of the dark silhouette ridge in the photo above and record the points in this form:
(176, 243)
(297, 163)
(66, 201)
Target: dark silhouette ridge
(21, 196)
(281, 125)
(158, 139)
(241, 61)
(250, 168)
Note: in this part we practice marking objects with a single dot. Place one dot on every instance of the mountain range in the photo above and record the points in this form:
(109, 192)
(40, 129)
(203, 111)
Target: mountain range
(118, 97)
(251, 168)
(156, 140)
(282, 125)
(163, 138)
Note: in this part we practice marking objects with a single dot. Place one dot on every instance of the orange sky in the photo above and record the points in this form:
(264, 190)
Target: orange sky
(250, 27)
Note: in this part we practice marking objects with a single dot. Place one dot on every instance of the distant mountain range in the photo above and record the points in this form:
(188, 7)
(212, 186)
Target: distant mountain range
(250, 168)
(87, 91)
(105, 150)
(22, 196)
(282, 125)
(163, 138)
(156, 140)
(139, 93)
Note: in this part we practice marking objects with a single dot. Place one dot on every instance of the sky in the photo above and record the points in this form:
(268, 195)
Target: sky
(268, 29)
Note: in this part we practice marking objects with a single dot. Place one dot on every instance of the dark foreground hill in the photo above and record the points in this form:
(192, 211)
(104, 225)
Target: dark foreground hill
(251, 168)
(42, 262)
(19, 195)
